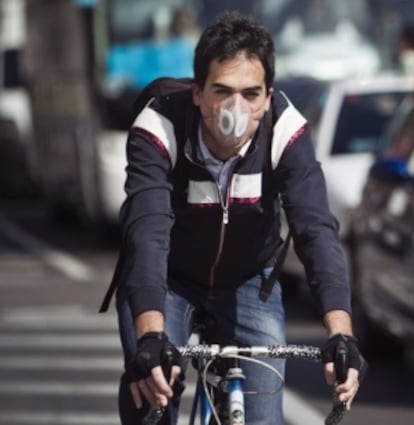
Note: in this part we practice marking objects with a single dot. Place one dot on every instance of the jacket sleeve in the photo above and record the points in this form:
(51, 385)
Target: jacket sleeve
(314, 228)
(146, 219)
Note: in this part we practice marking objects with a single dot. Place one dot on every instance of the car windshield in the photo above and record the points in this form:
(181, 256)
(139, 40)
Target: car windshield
(362, 122)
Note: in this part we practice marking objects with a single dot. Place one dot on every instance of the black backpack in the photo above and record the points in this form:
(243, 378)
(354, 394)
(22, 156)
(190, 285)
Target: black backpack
(160, 87)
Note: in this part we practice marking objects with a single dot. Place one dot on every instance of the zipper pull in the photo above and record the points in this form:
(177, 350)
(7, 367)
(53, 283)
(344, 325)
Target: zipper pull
(225, 215)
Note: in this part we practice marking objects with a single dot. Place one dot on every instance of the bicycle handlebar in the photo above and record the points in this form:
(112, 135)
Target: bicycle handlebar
(290, 351)
(201, 351)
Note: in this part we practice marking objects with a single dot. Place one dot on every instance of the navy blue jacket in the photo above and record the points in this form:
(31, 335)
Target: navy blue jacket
(174, 222)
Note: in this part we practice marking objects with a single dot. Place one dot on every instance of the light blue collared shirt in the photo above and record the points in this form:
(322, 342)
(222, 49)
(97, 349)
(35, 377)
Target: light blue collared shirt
(220, 170)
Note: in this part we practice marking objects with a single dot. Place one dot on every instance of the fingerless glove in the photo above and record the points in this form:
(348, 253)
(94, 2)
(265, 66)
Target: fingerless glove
(354, 359)
(153, 349)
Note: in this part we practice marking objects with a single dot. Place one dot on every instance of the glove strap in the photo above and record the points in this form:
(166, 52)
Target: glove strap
(161, 336)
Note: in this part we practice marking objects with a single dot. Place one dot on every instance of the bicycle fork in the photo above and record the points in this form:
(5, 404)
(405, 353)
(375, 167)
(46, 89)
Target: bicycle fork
(235, 380)
(231, 407)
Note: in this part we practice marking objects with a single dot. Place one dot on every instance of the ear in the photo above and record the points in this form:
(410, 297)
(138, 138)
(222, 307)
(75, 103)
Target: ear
(196, 89)
(268, 98)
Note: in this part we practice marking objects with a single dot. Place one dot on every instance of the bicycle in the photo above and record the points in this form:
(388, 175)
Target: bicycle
(228, 387)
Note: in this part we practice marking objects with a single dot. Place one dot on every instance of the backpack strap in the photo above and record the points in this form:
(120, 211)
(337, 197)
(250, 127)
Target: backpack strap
(268, 284)
(114, 282)
(160, 87)
(111, 289)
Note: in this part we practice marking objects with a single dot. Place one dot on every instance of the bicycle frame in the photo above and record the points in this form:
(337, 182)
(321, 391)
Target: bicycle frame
(235, 384)
(205, 408)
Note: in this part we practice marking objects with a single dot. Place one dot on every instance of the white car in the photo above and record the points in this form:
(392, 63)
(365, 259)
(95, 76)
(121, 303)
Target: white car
(351, 130)
(349, 120)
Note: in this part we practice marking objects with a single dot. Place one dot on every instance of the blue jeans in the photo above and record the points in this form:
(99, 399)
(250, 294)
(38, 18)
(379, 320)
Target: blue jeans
(240, 316)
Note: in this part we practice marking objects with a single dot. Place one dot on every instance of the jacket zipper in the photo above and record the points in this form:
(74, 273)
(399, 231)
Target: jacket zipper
(225, 218)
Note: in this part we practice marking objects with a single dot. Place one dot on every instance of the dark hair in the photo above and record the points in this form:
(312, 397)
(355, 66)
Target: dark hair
(229, 35)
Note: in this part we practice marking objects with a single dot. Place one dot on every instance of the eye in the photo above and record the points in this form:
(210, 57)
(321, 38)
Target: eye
(222, 91)
(251, 95)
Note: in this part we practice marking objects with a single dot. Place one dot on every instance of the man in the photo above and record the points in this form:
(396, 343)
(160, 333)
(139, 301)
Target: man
(201, 223)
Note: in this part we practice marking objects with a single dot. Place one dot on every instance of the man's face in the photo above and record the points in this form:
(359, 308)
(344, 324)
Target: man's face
(239, 77)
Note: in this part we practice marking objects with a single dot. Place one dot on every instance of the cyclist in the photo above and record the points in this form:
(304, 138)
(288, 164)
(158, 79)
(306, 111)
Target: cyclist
(201, 224)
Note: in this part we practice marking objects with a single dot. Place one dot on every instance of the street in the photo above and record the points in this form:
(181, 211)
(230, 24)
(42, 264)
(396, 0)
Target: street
(60, 360)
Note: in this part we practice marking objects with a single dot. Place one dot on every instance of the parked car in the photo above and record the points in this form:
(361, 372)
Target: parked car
(350, 132)
(348, 119)
(381, 245)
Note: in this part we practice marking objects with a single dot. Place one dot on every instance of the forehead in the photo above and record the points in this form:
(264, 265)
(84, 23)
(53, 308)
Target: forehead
(238, 71)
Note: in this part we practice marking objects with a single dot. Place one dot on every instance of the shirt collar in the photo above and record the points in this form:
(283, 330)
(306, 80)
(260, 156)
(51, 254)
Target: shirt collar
(205, 155)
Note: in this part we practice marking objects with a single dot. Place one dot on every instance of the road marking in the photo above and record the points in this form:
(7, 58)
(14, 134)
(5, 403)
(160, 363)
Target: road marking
(66, 418)
(60, 261)
(61, 418)
(11, 281)
(73, 389)
(62, 363)
(19, 270)
(57, 317)
(54, 341)
(297, 411)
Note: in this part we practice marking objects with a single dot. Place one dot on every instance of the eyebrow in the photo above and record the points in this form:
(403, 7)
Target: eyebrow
(224, 86)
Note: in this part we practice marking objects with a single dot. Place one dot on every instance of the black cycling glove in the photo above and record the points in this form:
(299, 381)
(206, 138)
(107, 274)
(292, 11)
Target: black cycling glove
(153, 349)
(348, 345)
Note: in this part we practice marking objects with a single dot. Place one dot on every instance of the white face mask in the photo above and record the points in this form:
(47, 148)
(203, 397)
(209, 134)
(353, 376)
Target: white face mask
(232, 120)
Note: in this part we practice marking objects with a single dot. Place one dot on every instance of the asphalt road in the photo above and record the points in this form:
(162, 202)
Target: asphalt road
(60, 360)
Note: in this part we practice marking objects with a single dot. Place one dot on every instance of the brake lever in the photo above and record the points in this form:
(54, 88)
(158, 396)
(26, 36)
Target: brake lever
(341, 362)
(341, 372)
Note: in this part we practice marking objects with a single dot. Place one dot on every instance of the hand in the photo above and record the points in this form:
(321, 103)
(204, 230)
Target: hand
(355, 367)
(153, 371)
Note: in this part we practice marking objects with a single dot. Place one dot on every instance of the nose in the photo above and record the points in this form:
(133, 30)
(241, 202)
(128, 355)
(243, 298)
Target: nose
(238, 99)
(236, 102)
